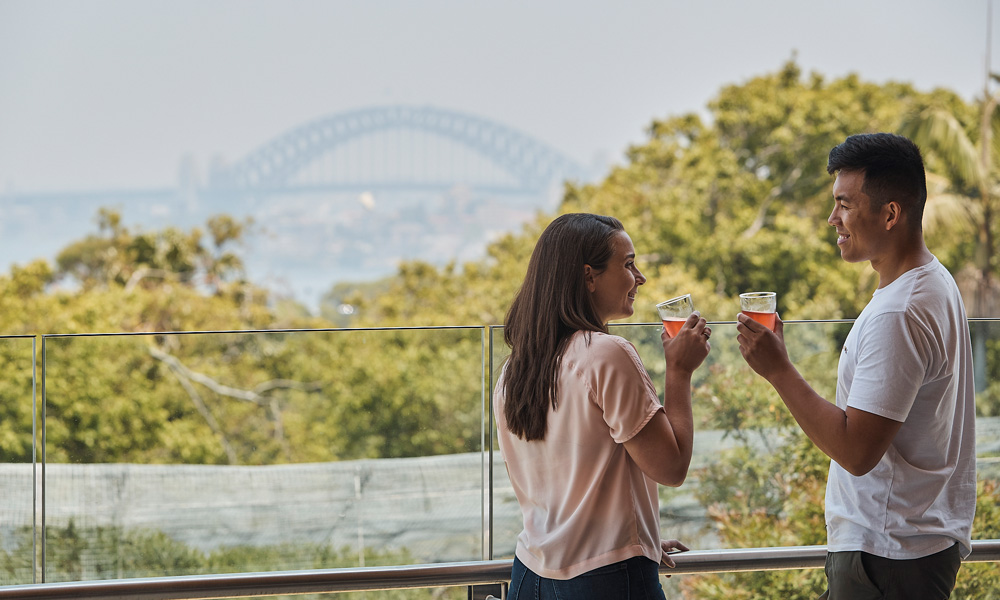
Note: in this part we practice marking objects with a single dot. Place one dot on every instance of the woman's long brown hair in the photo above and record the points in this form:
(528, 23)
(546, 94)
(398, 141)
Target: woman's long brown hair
(552, 304)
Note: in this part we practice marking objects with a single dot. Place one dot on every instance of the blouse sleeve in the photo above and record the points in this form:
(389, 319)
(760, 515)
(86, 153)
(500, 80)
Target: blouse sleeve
(621, 387)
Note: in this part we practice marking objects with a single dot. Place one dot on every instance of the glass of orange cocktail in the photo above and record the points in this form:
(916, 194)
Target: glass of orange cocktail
(760, 306)
(674, 312)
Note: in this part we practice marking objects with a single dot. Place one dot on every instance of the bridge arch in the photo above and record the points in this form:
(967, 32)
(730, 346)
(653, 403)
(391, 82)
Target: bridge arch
(533, 164)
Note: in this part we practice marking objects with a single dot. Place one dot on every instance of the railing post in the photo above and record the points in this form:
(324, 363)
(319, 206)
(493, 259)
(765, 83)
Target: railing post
(34, 459)
(41, 533)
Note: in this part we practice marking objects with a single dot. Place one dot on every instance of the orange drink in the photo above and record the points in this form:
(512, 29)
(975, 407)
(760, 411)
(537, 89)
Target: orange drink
(673, 326)
(674, 312)
(760, 306)
(764, 318)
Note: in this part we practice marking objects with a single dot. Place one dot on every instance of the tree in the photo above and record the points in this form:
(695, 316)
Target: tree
(739, 200)
(962, 154)
(237, 398)
(120, 256)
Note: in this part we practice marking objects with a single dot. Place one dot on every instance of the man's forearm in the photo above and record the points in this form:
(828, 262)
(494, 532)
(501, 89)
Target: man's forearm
(855, 439)
(822, 421)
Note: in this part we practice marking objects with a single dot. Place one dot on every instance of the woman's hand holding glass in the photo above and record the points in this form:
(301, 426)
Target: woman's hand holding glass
(689, 348)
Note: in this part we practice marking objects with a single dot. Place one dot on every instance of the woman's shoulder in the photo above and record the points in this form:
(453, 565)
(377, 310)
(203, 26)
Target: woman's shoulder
(597, 344)
(611, 339)
(606, 357)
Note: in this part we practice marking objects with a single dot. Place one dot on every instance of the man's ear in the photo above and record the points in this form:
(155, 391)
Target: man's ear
(588, 277)
(892, 213)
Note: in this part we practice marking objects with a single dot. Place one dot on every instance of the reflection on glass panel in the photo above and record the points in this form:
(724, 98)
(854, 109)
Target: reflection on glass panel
(16, 468)
(233, 452)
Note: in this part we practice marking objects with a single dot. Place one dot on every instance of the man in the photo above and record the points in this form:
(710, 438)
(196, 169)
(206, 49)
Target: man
(901, 492)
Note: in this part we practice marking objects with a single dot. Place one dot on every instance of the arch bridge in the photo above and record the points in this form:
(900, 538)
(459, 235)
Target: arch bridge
(399, 148)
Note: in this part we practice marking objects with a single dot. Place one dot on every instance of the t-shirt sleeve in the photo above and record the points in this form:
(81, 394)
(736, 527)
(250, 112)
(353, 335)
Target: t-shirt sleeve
(892, 363)
(622, 388)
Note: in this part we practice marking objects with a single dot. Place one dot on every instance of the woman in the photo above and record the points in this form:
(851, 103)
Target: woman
(581, 430)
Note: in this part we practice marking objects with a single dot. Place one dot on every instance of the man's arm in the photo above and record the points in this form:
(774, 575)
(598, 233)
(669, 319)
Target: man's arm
(855, 439)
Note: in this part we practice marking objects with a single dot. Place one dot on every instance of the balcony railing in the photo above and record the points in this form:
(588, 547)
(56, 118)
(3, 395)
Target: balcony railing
(322, 581)
(166, 461)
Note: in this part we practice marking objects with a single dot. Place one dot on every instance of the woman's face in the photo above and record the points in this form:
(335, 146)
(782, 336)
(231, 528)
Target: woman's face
(613, 289)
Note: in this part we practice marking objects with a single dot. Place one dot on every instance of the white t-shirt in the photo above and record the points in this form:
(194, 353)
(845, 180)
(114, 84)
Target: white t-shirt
(908, 358)
(585, 502)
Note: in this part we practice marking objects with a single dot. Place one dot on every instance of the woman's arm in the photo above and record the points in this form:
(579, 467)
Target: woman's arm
(662, 448)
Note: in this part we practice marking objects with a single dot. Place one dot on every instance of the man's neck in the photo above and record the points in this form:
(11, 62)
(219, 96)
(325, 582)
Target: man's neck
(907, 257)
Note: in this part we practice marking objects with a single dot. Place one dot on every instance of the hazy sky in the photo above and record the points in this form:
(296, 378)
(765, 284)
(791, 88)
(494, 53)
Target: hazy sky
(113, 93)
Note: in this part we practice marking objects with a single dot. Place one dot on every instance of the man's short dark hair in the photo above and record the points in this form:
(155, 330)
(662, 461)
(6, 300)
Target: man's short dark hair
(892, 167)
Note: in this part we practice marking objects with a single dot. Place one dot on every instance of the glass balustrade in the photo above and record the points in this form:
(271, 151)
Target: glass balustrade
(221, 452)
(181, 454)
(18, 476)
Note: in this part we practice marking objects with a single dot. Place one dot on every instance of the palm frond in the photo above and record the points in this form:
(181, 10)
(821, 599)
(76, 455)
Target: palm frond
(937, 130)
(951, 212)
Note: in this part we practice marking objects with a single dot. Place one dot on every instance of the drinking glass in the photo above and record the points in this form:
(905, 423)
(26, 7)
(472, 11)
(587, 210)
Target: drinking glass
(674, 312)
(760, 306)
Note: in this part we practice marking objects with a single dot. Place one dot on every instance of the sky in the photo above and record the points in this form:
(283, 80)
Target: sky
(108, 94)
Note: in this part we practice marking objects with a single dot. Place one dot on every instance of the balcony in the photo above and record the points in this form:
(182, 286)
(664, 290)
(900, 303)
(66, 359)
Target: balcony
(309, 461)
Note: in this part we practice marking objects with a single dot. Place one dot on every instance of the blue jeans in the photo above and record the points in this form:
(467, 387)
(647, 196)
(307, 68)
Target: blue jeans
(637, 578)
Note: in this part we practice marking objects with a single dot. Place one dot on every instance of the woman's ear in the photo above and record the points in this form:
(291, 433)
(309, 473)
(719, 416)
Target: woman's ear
(588, 277)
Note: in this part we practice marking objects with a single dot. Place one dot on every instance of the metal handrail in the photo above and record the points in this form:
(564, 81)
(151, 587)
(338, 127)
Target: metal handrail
(242, 585)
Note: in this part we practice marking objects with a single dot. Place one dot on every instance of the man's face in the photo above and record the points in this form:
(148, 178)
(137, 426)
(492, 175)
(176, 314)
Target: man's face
(861, 230)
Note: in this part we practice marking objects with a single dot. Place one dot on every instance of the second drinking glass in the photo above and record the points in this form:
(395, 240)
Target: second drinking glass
(674, 312)
(760, 306)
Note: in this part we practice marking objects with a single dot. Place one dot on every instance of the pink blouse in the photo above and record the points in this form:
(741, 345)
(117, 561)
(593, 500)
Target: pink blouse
(585, 502)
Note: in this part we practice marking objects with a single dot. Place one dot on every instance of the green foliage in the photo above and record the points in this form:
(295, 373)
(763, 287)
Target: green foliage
(959, 142)
(741, 201)
(262, 398)
(16, 400)
(15, 558)
(120, 256)
(988, 399)
(982, 580)
(767, 490)
(221, 398)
